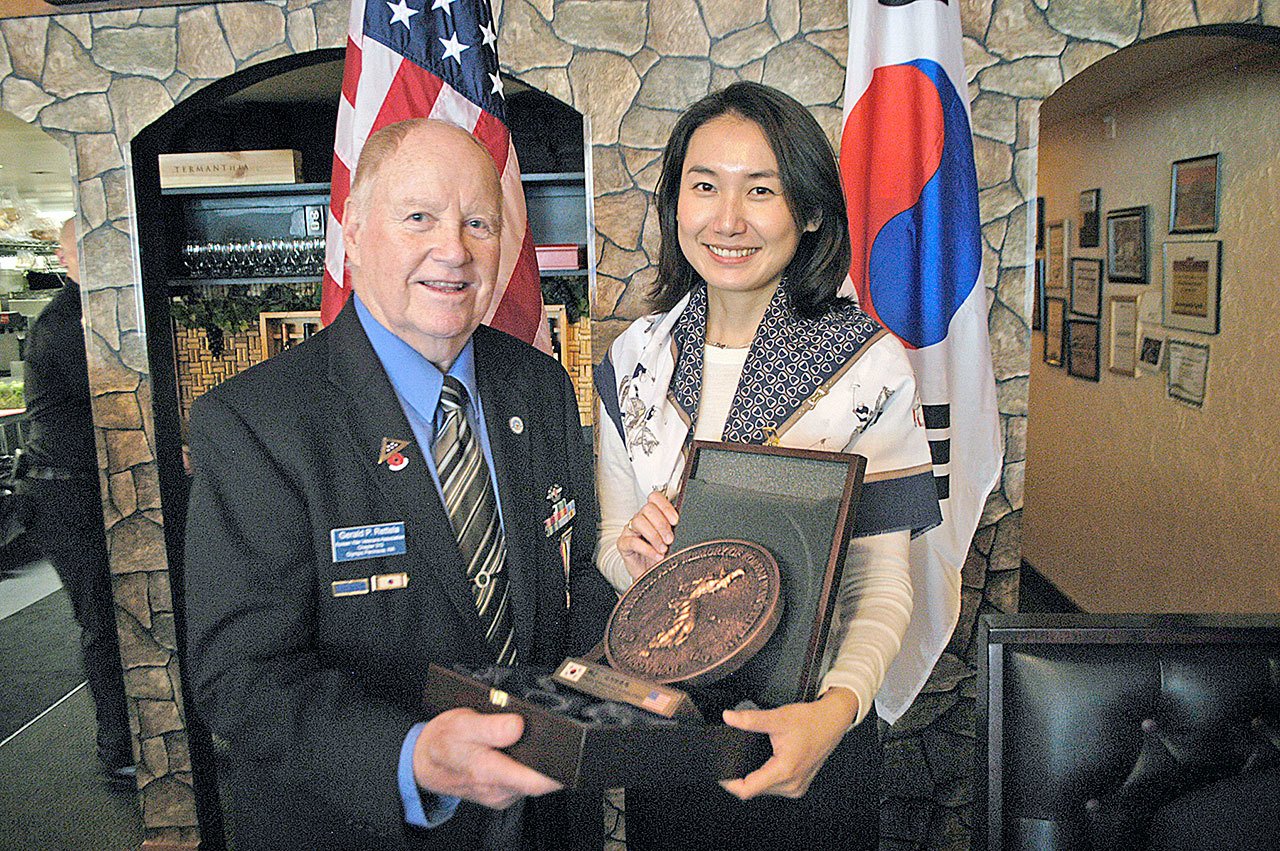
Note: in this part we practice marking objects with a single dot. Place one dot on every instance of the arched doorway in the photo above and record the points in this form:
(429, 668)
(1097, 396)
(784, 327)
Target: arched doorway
(1177, 135)
(47, 716)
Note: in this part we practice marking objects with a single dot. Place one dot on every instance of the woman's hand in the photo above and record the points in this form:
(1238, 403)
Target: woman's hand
(803, 735)
(644, 540)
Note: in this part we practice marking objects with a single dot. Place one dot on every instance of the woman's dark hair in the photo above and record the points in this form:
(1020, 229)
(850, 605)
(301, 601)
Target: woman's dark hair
(810, 184)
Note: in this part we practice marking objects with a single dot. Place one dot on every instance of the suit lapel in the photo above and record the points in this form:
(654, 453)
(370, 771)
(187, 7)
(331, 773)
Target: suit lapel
(373, 412)
(508, 423)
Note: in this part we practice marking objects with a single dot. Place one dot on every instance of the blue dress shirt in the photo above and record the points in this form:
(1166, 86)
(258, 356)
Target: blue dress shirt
(417, 382)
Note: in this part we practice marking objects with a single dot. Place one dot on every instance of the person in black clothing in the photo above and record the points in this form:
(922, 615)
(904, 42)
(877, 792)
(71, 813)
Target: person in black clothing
(60, 485)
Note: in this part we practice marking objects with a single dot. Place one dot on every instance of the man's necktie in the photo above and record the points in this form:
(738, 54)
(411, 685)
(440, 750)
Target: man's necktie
(472, 506)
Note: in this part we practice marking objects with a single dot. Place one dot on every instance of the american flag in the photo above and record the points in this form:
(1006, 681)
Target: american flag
(435, 59)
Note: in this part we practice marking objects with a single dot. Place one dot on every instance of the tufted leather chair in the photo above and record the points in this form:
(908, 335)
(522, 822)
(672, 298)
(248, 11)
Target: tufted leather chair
(1121, 733)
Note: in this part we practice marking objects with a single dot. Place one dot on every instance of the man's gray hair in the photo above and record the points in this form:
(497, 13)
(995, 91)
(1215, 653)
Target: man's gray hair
(381, 145)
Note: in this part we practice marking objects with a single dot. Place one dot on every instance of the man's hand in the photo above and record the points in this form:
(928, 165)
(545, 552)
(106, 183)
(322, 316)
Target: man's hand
(646, 537)
(457, 754)
(803, 735)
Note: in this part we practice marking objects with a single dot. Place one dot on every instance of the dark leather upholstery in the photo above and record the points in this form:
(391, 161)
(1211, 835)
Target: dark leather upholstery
(1134, 738)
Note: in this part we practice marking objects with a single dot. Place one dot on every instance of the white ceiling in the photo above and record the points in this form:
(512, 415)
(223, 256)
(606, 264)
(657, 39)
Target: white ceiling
(34, 168)
(1161, 62)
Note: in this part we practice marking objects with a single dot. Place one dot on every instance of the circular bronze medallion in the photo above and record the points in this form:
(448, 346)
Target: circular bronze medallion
(698, 615)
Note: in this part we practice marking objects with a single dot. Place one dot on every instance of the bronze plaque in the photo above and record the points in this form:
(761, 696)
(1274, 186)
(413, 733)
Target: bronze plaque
(698, 615)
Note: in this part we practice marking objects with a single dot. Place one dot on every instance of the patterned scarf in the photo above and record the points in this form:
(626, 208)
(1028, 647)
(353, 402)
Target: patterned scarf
(658, 362)
(790, 360)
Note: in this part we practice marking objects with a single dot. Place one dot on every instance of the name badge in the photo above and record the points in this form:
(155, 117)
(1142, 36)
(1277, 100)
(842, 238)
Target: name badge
(360, 542)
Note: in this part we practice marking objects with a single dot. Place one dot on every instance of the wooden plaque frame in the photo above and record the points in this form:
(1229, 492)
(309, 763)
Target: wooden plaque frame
(773, 485)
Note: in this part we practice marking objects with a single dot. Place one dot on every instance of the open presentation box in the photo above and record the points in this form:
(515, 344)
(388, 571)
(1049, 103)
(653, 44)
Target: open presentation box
(798, 504)
(620, 746)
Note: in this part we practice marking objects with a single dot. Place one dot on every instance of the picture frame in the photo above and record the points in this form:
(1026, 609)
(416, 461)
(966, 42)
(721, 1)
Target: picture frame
(1090, 207)
(1192, 286)
(1127, 245)
(281, 330)
(1082, 342)
(1188, 371)
(1039, 223)
(1055, 314)
(1151, 353)
(1086, 287)
(1057, 251)
(1193, 195)
(1122, 318)
(1037, 296)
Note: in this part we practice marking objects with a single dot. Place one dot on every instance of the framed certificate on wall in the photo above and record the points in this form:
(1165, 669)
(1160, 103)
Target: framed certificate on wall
(1090, 208)
(1055, 312)
(1192, 285)
(1057, 248)
(1188, 371)
(1086, 287)
(1193, 195)
(1127, 245)
(1082, 348)
(1122, 314)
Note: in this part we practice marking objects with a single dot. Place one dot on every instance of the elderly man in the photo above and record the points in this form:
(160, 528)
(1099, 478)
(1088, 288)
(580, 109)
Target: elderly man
(373, 501)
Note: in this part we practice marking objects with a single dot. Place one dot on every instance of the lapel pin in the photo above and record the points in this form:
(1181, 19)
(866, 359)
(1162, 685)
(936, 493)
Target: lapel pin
(391, 454)
(562, 514)
(553, 493)
(389, 581)
(516, 425)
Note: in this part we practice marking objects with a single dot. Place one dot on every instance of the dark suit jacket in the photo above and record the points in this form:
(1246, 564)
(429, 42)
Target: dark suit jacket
(315, 693)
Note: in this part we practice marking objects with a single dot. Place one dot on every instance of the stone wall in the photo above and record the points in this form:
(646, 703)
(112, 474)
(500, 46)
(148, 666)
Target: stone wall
(94, 80)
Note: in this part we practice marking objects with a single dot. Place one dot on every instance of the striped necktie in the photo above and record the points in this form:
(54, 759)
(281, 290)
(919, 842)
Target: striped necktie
(472, 506)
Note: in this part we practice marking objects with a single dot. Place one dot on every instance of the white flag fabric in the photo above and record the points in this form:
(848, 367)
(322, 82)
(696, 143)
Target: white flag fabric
(906, 162)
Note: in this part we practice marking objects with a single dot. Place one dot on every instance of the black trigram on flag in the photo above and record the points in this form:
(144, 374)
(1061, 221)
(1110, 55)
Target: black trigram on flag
(937, 423)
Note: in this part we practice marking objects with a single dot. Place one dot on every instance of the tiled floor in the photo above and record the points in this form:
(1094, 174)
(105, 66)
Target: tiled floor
(22, 585)
(51, 796)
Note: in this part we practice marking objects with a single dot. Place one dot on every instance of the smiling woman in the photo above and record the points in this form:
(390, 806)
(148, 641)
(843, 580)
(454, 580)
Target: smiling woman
(752, 345)
(735, 226)
(785, 151)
